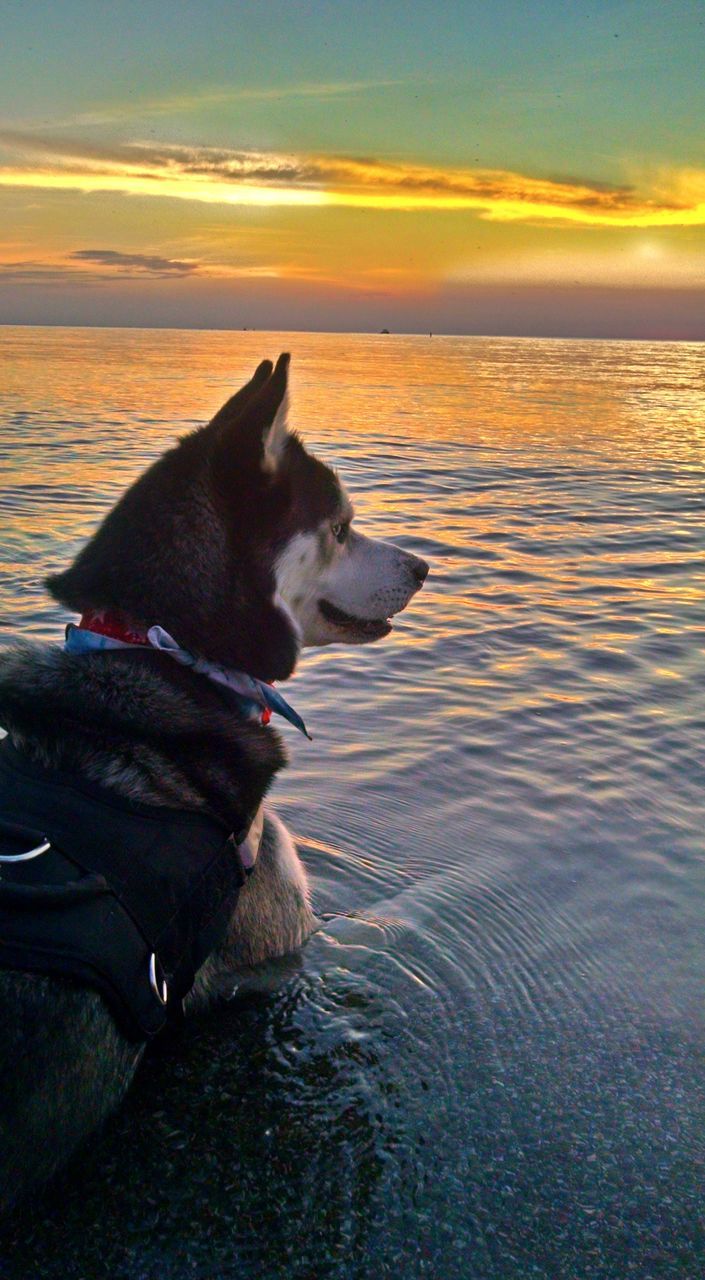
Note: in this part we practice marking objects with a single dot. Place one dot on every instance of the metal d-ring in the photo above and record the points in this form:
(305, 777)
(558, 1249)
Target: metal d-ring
(25, 857)
(163, 995)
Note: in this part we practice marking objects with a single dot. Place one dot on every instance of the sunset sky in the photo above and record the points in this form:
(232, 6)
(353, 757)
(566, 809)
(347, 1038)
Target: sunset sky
(519, 168)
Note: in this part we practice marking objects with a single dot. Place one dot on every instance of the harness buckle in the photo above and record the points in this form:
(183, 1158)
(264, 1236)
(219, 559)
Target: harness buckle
(159, 988)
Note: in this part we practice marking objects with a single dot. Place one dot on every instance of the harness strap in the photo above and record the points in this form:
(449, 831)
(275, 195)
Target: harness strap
(126, 897)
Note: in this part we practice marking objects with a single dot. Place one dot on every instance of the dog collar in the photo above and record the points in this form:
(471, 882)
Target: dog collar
(103, 631)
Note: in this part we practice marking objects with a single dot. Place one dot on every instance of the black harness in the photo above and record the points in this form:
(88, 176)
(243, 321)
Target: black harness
(123, 897)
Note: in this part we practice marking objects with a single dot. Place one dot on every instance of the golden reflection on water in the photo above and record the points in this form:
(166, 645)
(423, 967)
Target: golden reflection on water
(494, 426)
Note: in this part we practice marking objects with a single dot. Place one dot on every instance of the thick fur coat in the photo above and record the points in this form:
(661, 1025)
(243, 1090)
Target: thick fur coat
(225, 542)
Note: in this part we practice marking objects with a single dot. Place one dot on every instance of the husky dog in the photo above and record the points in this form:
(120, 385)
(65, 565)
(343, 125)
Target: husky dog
(239, 544)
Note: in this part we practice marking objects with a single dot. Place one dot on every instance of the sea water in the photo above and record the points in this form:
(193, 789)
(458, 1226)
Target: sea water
(489, 1061)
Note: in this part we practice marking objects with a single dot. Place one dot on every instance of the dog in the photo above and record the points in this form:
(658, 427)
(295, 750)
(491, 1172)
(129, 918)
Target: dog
(232, 552)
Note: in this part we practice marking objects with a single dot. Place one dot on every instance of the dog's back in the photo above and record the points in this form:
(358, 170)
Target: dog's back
(153, 733)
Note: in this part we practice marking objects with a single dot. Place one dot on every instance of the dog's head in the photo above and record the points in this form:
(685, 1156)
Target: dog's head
(239, 542)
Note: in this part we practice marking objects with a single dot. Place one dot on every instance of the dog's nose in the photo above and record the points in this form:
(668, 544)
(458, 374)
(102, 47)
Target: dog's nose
(419, 568)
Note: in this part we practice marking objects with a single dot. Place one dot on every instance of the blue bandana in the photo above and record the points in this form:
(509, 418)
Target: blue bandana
(255, 695)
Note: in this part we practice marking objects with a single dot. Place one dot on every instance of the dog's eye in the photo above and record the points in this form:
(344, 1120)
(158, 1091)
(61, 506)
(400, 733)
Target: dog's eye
(340, 531)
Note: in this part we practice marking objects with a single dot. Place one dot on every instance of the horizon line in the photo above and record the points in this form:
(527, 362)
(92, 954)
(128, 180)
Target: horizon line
(364, 333)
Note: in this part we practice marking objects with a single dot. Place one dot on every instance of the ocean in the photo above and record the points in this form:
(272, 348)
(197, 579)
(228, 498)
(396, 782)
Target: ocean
(488, 1063)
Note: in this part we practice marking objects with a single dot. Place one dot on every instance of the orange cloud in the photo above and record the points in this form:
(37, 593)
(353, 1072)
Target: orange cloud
(221, 176)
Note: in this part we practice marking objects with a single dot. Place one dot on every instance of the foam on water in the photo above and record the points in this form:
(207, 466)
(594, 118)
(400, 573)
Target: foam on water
(488, 1062)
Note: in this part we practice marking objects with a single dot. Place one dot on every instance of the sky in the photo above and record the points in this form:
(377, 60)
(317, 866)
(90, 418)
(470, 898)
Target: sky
(527, 168)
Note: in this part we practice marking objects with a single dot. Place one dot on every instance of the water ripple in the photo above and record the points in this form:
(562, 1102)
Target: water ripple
(488, 1059)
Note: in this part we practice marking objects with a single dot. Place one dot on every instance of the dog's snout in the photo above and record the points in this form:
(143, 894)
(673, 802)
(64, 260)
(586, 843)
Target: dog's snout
(419, 568)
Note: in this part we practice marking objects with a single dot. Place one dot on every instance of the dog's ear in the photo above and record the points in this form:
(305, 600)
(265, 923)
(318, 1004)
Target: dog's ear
(257, 431)
(233, 408)
(275, 437)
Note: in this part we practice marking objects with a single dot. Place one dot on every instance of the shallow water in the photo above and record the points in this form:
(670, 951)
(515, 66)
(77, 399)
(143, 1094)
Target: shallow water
(489, 1062)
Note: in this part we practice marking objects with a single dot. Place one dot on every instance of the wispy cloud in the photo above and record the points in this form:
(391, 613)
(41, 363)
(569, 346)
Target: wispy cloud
(151, 263)
(48, 274)
(106, 266)
(243, 177)
(222, 96)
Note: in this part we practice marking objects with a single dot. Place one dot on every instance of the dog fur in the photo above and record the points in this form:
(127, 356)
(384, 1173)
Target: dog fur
(238, 542)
